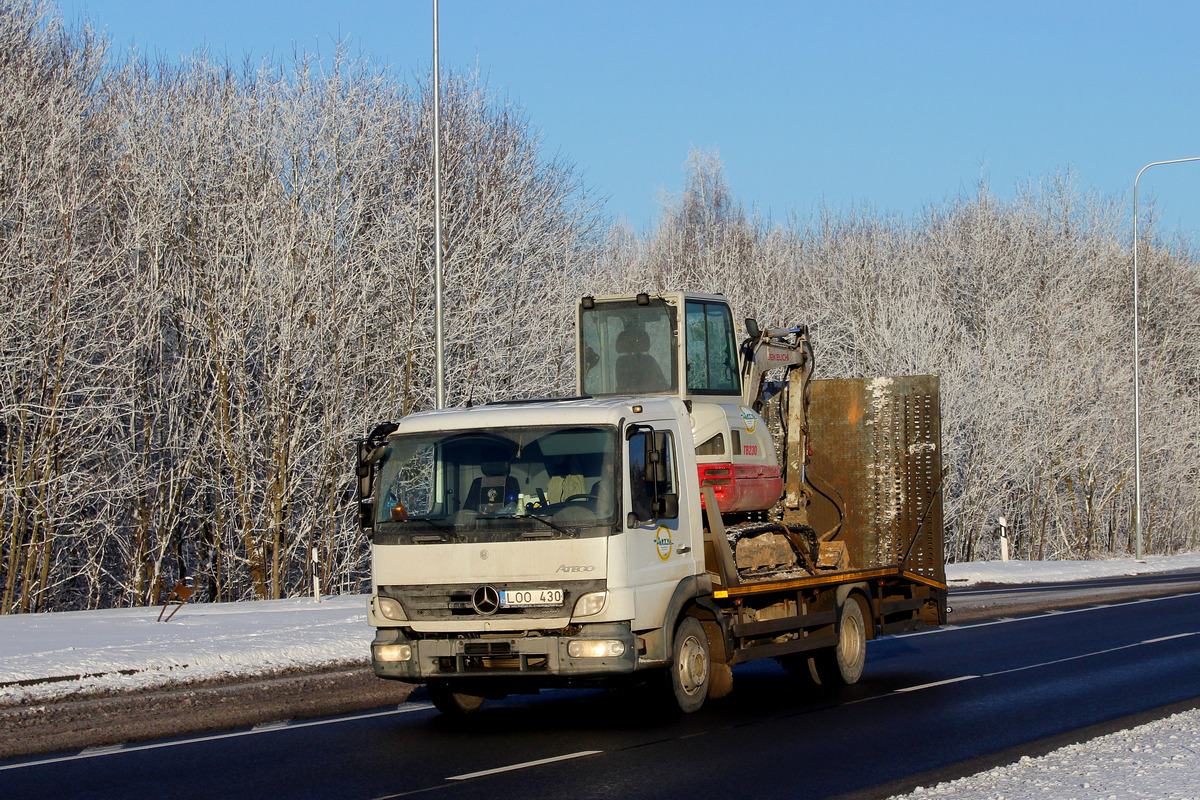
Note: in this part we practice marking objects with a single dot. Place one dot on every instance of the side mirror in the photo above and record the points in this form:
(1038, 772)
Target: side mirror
(656, 467)
(752, 328)
(369, 451)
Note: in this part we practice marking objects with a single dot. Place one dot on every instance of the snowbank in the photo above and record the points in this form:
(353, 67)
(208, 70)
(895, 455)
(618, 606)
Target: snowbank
(975, 572)
(52, 655)
(1157, 761)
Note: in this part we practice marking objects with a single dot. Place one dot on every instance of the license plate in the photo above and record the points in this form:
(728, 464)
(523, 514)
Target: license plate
(524, 598)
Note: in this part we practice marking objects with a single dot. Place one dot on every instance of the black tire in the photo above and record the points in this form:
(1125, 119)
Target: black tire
(843, 665)
(691, 665)
(452, 703)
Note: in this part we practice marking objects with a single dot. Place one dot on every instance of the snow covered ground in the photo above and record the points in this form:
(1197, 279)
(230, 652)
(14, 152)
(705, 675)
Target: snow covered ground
(1051, 571)
(44, 656)
(1156, 761)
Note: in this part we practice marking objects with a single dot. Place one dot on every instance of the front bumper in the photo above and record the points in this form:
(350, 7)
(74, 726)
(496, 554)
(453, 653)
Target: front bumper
(543, 660)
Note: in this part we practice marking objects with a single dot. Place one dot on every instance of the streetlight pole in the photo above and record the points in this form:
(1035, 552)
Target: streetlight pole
(1137, 412)
(439, 337)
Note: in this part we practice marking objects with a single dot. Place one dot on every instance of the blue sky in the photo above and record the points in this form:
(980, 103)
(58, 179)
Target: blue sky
(887, 105)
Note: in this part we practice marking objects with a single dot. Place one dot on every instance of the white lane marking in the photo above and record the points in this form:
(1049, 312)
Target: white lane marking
(1045, 663)
(525, 765)
(937, 683)
(1106, 651)
(93, 752)
(1169, 638)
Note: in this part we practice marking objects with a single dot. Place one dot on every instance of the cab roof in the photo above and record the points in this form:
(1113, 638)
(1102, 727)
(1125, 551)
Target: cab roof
(567, 411)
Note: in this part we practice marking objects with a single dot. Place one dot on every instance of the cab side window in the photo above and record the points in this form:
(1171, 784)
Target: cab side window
(712, 363)
(652, 475)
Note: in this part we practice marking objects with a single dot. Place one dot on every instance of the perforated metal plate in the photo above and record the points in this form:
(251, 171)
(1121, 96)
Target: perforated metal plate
(877, 450)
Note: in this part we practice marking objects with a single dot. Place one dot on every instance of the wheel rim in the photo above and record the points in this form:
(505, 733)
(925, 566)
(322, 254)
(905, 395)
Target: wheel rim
(851, 643)
(692, 665)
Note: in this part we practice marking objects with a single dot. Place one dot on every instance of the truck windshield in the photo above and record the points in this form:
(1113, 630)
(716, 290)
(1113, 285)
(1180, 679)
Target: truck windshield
(498, 484)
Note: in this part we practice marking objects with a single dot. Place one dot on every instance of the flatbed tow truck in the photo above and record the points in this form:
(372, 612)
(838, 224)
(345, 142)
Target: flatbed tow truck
(681, 516)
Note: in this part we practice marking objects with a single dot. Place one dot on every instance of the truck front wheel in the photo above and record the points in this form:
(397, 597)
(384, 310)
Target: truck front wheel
(842, 665)
(452, 703)
(691, 665)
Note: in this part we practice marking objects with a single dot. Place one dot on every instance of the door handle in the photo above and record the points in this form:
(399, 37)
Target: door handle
(683, 548)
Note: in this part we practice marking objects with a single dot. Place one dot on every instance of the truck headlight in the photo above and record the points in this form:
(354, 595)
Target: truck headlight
(590, 604)
(393, 652)
(390, 608)
(596, 648)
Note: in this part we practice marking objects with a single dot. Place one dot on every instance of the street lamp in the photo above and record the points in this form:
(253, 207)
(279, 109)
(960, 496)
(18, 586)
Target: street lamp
(439, 377)
(1137, 415)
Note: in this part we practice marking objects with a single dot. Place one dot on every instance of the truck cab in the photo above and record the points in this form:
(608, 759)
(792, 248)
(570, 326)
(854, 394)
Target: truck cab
(521, 545)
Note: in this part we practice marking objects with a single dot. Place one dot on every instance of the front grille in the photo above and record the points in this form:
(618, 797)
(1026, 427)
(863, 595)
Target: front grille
(455, 601)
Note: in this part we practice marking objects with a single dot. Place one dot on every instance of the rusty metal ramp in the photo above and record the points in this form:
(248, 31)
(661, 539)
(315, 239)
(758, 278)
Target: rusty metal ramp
(876, 469)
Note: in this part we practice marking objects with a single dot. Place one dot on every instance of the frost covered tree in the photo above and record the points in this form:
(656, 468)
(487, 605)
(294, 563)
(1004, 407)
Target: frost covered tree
(58, 288)
(216, 277)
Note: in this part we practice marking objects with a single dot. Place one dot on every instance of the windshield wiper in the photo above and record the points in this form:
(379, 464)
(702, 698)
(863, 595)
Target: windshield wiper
(446, 529)
(544, 520)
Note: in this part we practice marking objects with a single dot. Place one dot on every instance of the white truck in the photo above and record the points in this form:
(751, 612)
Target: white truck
(646, 530)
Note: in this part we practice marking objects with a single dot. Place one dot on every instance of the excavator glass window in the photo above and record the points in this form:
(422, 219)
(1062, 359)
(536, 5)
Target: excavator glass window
(628, 348)
(712, 364)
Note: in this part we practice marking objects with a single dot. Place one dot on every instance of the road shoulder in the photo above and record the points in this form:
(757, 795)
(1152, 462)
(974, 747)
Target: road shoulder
(79, 723)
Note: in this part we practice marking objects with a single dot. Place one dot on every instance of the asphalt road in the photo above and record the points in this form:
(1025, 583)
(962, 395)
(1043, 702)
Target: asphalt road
(930, 705)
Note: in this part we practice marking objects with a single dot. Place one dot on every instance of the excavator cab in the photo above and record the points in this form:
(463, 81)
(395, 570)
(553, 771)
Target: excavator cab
(684, 344)
(627, 346)
(672, 343)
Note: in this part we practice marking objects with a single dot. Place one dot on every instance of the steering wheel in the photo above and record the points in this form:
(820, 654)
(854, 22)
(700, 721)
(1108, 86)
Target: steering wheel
(580, 498)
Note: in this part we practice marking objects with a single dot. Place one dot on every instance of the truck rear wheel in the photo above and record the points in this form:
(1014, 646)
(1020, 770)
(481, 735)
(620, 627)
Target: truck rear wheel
(842, 665)
(691, 665)
(452, 703)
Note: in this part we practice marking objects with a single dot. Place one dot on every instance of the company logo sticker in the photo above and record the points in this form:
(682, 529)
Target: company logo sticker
(749, 418)
(662, 541)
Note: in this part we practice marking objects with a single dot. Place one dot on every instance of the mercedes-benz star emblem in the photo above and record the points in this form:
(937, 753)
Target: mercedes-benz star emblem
(486, 600)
